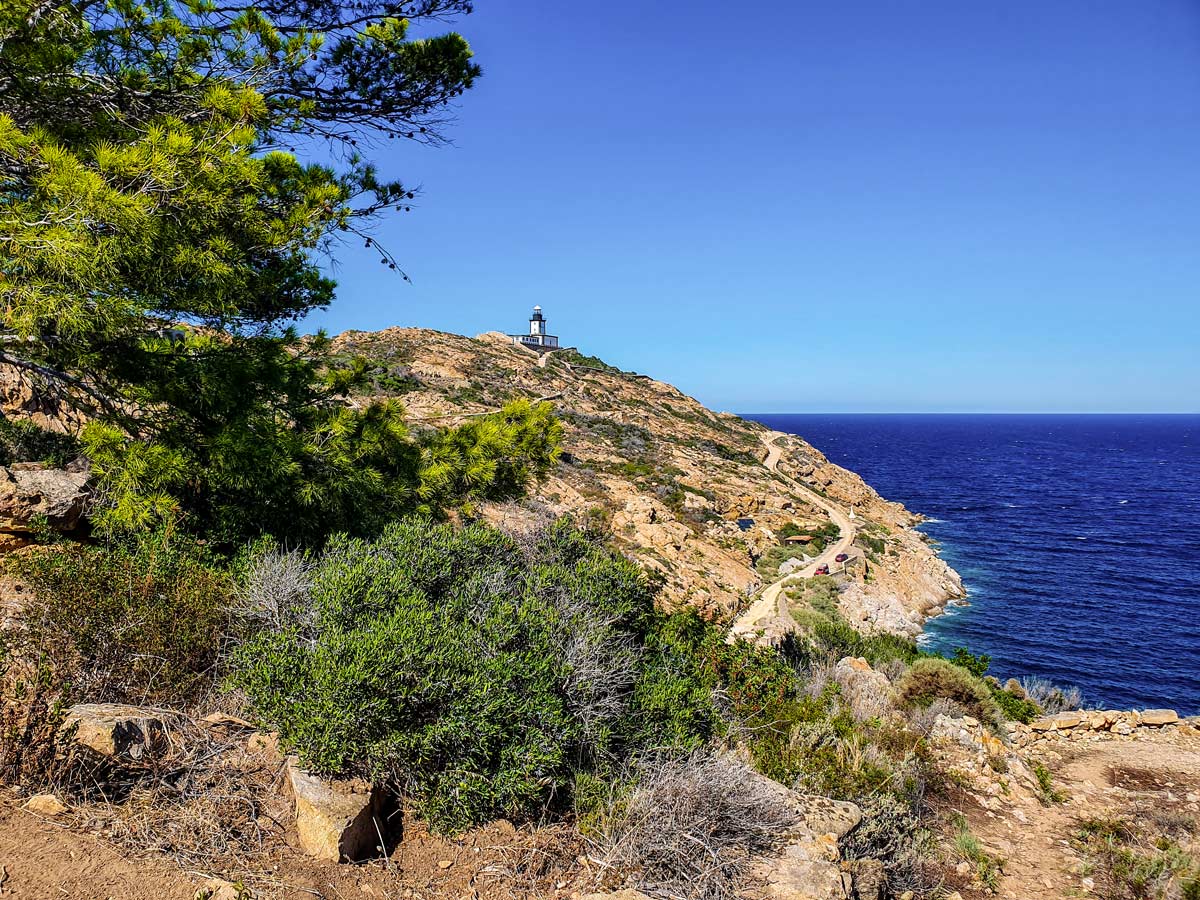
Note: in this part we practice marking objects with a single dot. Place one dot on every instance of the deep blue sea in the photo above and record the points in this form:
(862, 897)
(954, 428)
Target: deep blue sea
(1078, 538)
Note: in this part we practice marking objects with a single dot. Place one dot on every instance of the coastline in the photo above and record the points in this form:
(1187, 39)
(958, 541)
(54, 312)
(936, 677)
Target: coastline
(1075, 535)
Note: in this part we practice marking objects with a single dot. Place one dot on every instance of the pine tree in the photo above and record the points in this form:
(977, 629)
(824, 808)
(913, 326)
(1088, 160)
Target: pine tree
(159, 232)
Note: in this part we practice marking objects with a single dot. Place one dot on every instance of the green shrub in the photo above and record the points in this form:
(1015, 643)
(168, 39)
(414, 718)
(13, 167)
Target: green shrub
(837, 637)
(480, 674)
(987, 867)
(976, 665)
(892, 832)
(933, 677)
(1016, 708)
(23, 441)
(1047, 792)
(871, 544)
(1011, 698)
(136, 621)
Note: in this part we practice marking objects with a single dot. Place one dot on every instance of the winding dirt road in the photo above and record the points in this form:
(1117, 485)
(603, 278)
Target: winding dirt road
(767, 619)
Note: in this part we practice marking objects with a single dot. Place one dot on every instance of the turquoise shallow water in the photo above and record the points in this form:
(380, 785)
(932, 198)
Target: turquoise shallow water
(1078, 538)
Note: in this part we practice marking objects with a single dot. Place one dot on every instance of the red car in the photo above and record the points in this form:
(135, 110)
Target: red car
(823, 570)
(841, 557)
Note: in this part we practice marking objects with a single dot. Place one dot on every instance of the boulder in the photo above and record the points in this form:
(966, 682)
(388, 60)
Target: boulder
(1159, 716)
(338, 819)
(807, 870)
(993, 746)
(45, 805)
(826, 816)
(1060, 722)
(113, 729)
(790, 565)
(32, 494)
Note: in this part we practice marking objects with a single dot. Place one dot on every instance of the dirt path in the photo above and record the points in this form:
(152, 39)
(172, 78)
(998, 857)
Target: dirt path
(1138, 781)
(768, 617)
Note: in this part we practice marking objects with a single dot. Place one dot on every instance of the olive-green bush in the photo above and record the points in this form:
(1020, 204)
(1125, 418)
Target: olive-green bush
(933, 677)
(480, 674)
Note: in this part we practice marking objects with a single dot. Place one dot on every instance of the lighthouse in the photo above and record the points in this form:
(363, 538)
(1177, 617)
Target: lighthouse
(537, 338)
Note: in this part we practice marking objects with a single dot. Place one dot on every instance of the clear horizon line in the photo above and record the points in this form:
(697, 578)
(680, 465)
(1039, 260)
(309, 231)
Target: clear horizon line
(968, 412)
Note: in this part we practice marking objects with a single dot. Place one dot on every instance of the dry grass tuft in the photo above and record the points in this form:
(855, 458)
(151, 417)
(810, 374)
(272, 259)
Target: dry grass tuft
(691, 826)
(201, 798)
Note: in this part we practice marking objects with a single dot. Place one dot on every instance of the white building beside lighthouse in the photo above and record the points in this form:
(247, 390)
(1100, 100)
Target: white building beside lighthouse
(536, 339)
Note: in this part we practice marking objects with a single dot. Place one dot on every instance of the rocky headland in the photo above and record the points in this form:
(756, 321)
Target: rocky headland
(736, 521)
(671, 478)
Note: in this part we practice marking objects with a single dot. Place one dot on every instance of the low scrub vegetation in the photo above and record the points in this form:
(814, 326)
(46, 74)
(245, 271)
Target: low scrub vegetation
(987, 867)
(932, 678)
(1049, 697)
(479, 674)
(23, 441)
(139, 620)
(1140, 862)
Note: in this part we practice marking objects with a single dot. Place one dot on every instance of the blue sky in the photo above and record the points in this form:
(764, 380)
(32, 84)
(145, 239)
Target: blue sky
(865, 205)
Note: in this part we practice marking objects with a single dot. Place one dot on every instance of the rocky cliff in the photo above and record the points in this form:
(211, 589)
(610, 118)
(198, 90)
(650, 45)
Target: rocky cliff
(670, 477)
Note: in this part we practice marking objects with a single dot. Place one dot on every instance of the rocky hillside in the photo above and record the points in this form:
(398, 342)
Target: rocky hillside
(669, 476)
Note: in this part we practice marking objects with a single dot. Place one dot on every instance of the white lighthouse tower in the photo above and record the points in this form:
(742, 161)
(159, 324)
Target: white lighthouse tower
(537, 339)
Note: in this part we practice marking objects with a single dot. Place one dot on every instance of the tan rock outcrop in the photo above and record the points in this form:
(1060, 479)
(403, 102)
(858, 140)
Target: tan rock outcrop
(338, 819)
(32, 494)
(1159, 716)
(116, 730)
(867, 693)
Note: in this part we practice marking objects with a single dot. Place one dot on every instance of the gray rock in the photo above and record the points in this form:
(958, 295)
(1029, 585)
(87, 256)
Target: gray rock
(826, 816)
(790, 565)
(31, 493)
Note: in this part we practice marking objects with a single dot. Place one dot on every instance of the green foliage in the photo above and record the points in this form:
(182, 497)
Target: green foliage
(833, 636)
(976, 665)
(1047, 792)
(137, 621)
(768, 563)
(489, 458)
(157, 244)
(1139, 863)
(987, 867)
(1011, 698)
(575, 358)
(1015, 708)
(933, 677)
(23, 441)
(473, 674)
(871, 543)
(330, 468)
(485, 676)
(819, 592)
(688, 662)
